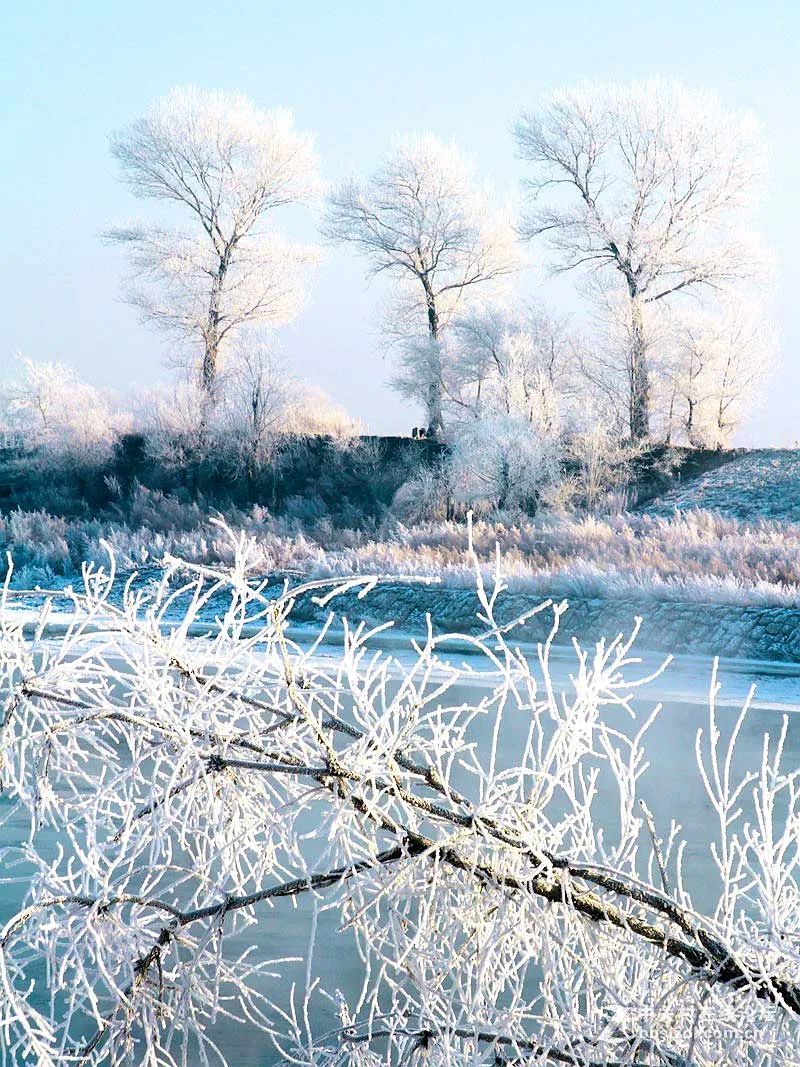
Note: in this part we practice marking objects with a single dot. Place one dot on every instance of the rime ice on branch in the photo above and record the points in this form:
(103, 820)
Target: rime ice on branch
(495, 922)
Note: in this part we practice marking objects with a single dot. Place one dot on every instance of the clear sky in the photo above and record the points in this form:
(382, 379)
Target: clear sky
(355, 74)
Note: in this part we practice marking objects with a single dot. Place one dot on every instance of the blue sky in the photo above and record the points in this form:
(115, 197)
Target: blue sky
(355, 74)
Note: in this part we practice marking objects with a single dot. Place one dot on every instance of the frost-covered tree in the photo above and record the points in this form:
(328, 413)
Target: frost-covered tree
(258, 392)
(423, 219)
(650, 184)
(513, 386)
(456, 849)
(719, 362)
(515, 362)
(746, 350)
(227, 166)
(694, 380)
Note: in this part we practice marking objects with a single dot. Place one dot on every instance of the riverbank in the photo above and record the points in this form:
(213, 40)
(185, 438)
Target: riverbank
(675, 627)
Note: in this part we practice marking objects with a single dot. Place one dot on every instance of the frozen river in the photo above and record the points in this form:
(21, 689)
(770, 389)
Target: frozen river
(671, 788)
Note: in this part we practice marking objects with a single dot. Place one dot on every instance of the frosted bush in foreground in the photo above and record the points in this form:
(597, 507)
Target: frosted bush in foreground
(496, 921)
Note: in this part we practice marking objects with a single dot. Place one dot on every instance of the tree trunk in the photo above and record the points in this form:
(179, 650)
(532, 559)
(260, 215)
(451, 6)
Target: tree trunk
(639, 378)
(434, 389)
(505, 484)
(208, 372)
(435, 416)
(670, 426)
(690, 434)
(210, 366)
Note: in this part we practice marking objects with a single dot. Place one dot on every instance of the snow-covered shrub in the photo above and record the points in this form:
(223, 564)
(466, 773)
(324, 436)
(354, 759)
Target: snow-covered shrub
(502, 462)
(70, 424)
(258, 412)
(423, 498)
(688, 556)
(602, 467)
(38, 538)
(310, 411)
(176, 422)
(155, 510)
(305, 509)
(253, 407)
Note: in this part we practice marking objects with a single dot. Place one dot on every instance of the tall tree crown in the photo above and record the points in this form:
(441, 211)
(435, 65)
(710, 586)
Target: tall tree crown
(219, 155)
(423, 214)
(650, 178)
(230, 164)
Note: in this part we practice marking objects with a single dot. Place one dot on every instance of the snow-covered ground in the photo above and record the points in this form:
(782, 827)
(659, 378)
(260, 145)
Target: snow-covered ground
(758, 485)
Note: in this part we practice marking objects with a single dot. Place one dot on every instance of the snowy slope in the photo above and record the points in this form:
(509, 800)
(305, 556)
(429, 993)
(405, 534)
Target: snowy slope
(761, 484)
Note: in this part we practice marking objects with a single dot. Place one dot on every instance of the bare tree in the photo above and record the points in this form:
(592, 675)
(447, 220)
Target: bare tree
(257, 395)
(422, 219)
(228, 166)
(649, 183)
(515, 362)
(719, 362)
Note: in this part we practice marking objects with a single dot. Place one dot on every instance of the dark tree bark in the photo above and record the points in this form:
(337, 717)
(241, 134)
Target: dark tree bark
(435, 385)
(640, 377)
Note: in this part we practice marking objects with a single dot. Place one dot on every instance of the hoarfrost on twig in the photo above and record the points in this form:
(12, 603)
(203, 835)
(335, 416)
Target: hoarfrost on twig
(199, 786)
